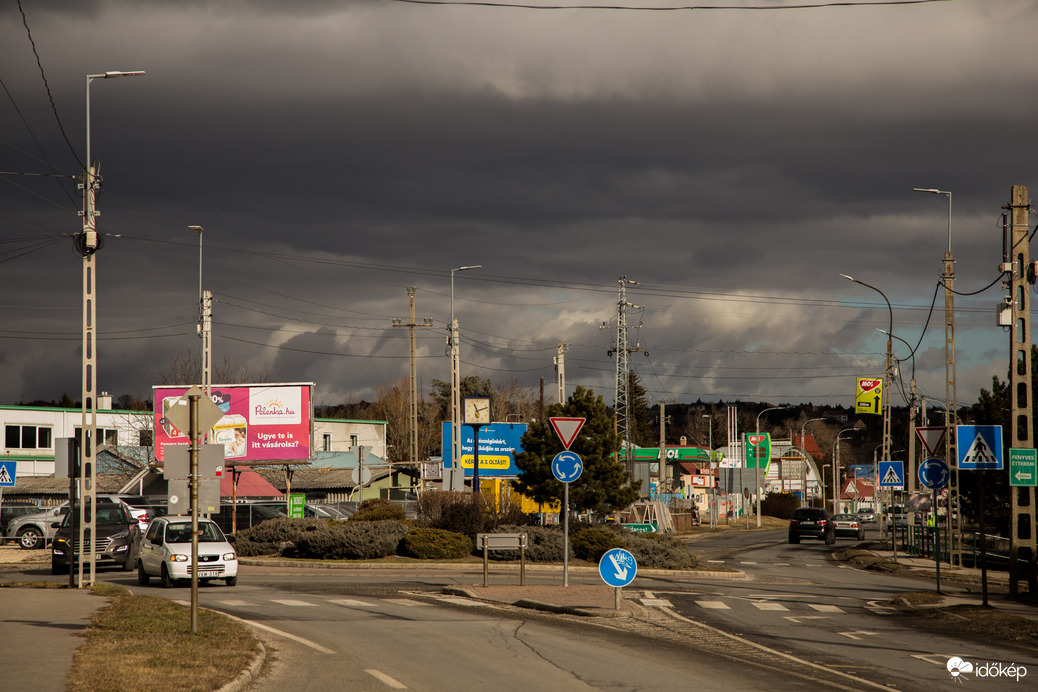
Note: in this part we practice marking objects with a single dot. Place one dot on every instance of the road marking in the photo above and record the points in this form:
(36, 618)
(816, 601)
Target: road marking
(406, 602)
(823, 608)
(662, 602)
(291, 602)
(286, 635)
(851, 635)
(768, 605)
(715, 605)
(459, 601)
(379, 675)
(353, 603)
(747, 563)
(797, 618)
(236, 603)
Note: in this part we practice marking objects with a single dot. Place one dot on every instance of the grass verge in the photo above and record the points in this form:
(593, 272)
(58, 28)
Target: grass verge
(144, 642)
(978, 623)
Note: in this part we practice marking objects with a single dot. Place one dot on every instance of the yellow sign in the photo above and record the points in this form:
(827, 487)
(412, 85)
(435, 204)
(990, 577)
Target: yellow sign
(486, 461)
(868, 397)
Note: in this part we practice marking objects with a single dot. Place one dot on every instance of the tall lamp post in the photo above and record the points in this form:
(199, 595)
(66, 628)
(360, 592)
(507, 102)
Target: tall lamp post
(950, 396)
(836, 468)
(457, 473)
(888, 377)
(87, 244)
(803, 445)
(756, 470)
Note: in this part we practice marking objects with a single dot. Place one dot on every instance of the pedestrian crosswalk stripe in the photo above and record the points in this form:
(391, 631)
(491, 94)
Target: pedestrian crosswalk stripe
(823, 608)
(235, 603)
(768, 605)
(353, 603)
(715, 605)
(290, 602)
(406, 602)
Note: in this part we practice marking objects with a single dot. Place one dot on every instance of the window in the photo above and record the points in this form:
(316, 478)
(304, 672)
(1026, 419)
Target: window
(327, 442)
(354, 440)
(145, 438)
(28, 437)
(105, 436)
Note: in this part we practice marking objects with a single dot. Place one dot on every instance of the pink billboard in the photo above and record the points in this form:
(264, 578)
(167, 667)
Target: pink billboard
(261, 422)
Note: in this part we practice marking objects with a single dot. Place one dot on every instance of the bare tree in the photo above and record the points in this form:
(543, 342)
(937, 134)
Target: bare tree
(186, 368)
(393, 406)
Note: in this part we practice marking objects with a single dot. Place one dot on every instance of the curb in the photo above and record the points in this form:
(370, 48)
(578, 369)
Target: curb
(249, 674)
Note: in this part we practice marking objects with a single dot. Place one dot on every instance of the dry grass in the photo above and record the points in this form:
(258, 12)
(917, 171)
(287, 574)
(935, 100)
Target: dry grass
(144, 642)
(980, 624)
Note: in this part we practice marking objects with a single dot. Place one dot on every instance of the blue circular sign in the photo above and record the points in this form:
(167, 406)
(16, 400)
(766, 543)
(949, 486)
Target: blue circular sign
(617, 567)
(567, 466)
(934, 474)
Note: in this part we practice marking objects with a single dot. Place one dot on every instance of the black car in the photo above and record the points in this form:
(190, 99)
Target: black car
(812, 522)
(117, 541)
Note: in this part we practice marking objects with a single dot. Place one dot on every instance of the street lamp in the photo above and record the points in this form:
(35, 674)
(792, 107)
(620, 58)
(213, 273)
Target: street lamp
(803, 445)
(836, 467)
(951, 407)
(457, 473)
(713, 485)
(87, 244)
(756, 470)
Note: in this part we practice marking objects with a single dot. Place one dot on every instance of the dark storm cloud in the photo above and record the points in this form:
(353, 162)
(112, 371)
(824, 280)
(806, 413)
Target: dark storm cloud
(336, 153)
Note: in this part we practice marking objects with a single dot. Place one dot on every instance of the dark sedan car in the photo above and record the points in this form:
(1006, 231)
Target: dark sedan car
(811, 522)
(117, 540)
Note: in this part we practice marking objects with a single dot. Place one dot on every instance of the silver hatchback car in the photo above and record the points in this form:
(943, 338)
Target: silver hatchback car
(166, 552)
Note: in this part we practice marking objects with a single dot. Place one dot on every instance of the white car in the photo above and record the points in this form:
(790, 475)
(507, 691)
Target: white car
(166, 552)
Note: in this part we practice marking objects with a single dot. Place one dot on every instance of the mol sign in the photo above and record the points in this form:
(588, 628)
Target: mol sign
(868, 397)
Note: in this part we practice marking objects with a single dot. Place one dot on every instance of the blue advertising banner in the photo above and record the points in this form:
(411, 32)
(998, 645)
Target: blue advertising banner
(498, 445)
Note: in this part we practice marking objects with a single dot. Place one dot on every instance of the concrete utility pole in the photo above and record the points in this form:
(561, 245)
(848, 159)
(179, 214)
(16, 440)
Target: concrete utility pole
(1022, 516)
(457, 475)
(413, 398)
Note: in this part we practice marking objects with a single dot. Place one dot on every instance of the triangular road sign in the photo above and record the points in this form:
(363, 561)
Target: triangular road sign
(932, 438)
(567, 428)
(980, 453)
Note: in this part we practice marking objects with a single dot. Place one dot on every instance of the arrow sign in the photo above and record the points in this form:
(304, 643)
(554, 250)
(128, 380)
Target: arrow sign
(932, 438)
(1023, 463)
(617, 568)
(567, 428)
(567, 466)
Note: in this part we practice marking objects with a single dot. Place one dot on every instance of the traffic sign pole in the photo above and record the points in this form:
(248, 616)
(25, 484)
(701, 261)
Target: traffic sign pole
(566, 467)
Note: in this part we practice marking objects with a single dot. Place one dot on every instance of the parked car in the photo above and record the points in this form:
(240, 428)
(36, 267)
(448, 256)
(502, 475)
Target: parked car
(36, 530)
(848, 526)
(11, 510)
(117, 539)
(811, 522)
(166, 552)
(866, 515)
(247, 514)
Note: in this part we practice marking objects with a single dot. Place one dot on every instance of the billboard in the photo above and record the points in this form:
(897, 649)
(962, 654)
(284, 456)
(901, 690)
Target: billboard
(498, 445)
(261, 422)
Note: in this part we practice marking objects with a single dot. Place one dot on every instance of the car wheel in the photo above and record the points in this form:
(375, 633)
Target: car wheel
(166, 581)
(142, 577)
(231, 581)
(29, 538)
(794, 539)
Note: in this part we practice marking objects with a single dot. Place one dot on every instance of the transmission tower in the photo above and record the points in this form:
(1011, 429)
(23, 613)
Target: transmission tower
(622, 403)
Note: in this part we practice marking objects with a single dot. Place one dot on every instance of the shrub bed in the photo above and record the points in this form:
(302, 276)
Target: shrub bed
(377, 509)
(591, 543)
(437, 544)
(358, 540)
(544, 544)
(274, 536)
(660, 550)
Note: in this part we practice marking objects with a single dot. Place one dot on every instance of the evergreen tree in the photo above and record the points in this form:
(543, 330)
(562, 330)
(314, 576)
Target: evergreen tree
(603, 485)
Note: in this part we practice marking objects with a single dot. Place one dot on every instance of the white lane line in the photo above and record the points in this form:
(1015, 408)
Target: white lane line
(286, 635)
(291, 602)
(768, 605)
(715, 605)
(352, 603)
(379, 675)
(823, 608)
(407, 602)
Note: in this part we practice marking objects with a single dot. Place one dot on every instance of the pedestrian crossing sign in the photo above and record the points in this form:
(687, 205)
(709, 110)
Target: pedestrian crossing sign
(8, 469)
(979, 447)
(891, 474)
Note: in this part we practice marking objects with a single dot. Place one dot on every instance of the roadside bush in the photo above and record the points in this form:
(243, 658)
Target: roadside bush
(592, 543)
(377, 509)
(779, 505)
(436, 544)
(544, 544)
(458, 512)
(359, 540)
(660, 550)
(274, 536)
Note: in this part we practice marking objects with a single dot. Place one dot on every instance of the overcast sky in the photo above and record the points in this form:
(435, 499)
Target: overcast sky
(731, 162)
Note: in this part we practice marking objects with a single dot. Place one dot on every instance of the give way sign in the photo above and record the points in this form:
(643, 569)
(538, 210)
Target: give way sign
(567, 428)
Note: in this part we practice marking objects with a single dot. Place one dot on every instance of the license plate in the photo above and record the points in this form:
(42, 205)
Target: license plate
(208, 573)
(99, 556)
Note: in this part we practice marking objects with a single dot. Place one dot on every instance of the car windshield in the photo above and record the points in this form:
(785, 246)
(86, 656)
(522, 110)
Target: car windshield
(208, 532)
(845, 517)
